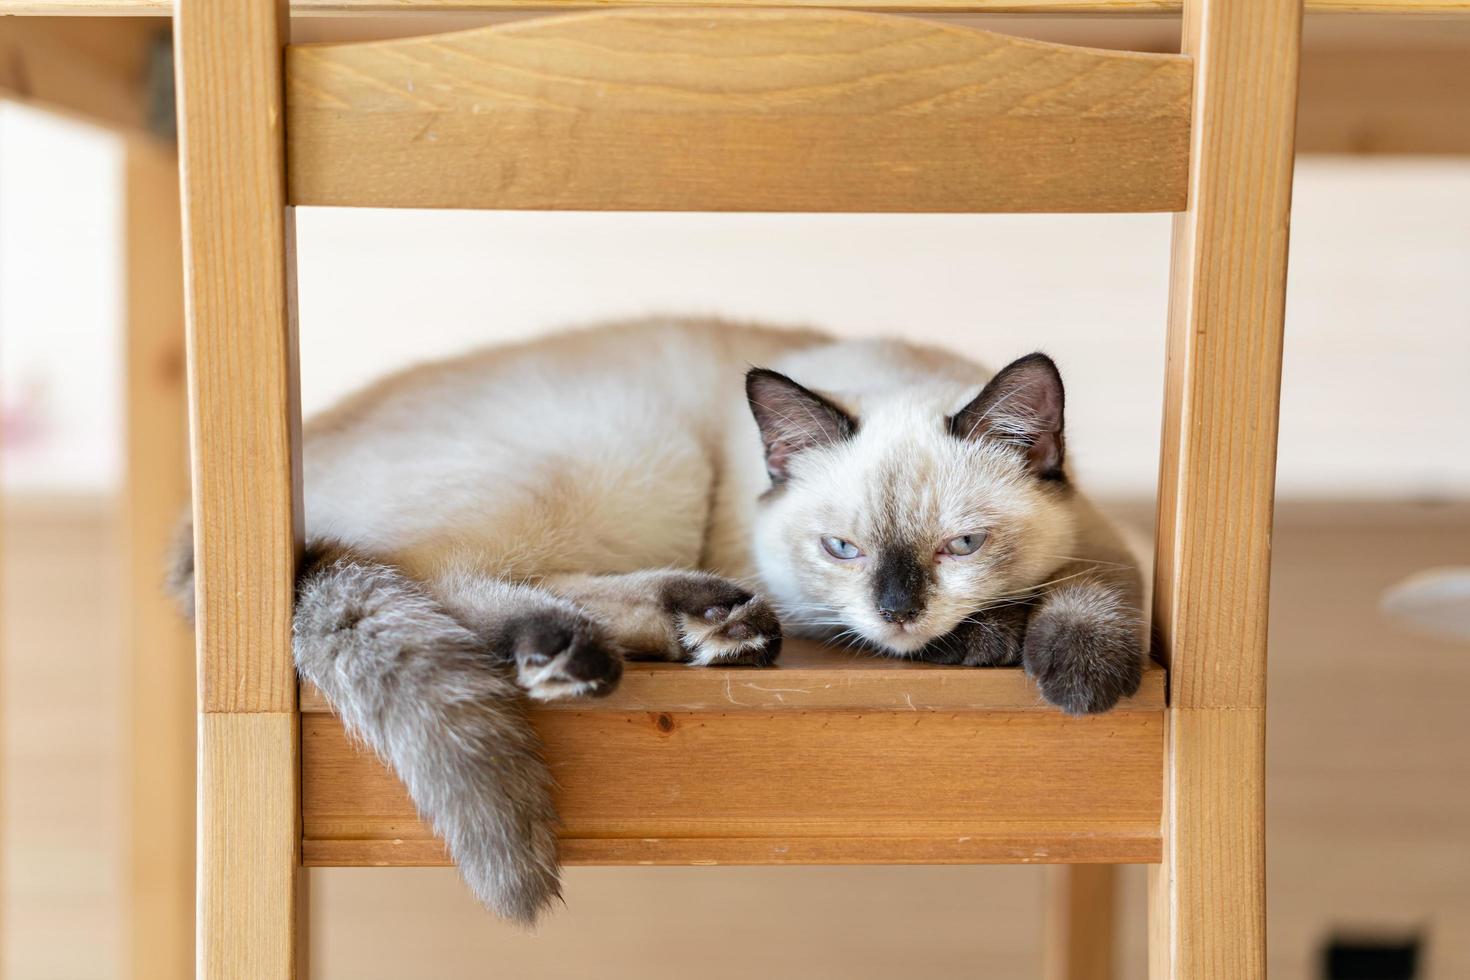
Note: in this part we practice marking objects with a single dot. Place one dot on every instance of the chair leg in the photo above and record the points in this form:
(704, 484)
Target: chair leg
(161, 692)
(1207, 900)
(248, 811)
(245, 432)
(1216, 484)
(1080, 921)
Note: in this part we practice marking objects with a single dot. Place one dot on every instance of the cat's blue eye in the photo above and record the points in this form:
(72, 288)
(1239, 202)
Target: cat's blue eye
(838, 548)
(964, 544)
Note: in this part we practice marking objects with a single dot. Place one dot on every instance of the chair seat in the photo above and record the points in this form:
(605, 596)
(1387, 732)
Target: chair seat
(830, 758)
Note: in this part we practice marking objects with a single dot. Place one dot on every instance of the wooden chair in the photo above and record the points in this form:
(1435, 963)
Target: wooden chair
(823, 760)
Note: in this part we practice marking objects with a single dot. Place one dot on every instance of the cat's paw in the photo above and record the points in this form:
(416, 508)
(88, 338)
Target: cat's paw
(718, 622)
(560, 653)
(1084, 649)
(992, 638)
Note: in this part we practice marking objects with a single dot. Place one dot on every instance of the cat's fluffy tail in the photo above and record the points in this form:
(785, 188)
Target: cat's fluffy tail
(420, 689)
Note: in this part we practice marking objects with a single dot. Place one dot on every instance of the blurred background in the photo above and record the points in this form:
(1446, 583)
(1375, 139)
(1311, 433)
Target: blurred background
(1369, 750)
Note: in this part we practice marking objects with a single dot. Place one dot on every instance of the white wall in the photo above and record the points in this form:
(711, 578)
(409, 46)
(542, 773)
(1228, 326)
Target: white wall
(1087, 289)
(1375, 404)
(1375, 400)
(60, 303)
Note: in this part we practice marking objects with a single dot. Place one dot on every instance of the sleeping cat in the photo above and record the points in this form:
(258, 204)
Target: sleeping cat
(518, 521)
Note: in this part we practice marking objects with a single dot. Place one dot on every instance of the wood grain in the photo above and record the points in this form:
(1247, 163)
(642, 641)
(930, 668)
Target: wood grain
(1014, 846)
(1081, 924)
(1217, 468)
(161, 692)
(788, 787)
(242, 372)
(1208, 897)
(1216, 486)
(810, 677)
(248, 853)
(245, 416)
(749, 110)
(161, 8)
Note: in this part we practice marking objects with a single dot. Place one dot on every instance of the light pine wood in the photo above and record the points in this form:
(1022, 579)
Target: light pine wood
(1207, 898)
(702, 783)
(162, 686)
(242, 372)
(735, 111)
(812, 677)
(332, 7)
(803, 763)
(248, 848)
(1367, 86)
(1217, 474)
(1080, 922)
(1217, 469)
(756, 785)
(90, 69)
(787, 811)
(1037, 845)
(244, 422)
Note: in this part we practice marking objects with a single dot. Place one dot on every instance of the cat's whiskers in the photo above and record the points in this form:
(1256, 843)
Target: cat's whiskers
(1097, 562)
(1005, 603)
(1039, 586)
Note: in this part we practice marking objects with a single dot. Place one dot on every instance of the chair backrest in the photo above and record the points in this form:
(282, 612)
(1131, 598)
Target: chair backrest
(741, 110)
(736, 110)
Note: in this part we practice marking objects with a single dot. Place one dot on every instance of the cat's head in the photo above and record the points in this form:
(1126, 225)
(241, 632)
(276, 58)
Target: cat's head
(896, 515)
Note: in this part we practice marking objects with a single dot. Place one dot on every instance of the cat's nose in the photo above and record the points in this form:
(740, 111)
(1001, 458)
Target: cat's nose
(900, 614)
(900, 587)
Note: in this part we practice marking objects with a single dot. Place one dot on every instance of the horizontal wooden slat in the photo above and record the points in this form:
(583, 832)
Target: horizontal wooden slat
(737, 110)
(1407, 100)
(1038, 846)
(810, 676)
(162, 8)
(822, 761)
(95, 69)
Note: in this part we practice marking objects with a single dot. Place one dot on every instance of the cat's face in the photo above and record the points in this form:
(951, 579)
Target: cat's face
(897, 523)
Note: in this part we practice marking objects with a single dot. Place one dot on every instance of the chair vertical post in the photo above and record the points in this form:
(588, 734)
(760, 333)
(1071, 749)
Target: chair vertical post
(1081, 923)
(162, 684)
(245, 421)
(1216, 486)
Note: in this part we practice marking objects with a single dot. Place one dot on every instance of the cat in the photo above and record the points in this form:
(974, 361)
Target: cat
(516, 522)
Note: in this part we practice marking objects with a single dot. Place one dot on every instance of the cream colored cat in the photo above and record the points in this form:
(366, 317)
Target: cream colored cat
(520, 520)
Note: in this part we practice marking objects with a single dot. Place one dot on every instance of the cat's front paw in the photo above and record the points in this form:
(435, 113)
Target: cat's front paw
(992, 638)
(1084, 649)
(560, 653)
(719, 623)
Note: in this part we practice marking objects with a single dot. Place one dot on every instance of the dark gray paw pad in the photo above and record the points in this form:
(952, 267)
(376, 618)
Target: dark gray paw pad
(560, 654)
(718, 622)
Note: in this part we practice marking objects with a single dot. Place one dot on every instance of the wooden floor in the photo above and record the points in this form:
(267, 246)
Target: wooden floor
(63, 721)
(1369, 799)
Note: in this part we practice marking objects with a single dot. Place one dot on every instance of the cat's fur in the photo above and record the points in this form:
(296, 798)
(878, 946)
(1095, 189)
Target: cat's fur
(520, 520)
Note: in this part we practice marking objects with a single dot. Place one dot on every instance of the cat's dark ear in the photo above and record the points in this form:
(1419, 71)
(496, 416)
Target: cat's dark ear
(791, 419)
(1021, 405)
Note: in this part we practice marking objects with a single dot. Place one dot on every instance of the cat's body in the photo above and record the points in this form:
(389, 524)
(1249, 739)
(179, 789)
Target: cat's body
(521, 519)
(610, 450)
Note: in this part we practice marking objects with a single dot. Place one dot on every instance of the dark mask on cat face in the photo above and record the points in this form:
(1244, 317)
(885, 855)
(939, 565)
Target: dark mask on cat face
(895, 518)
